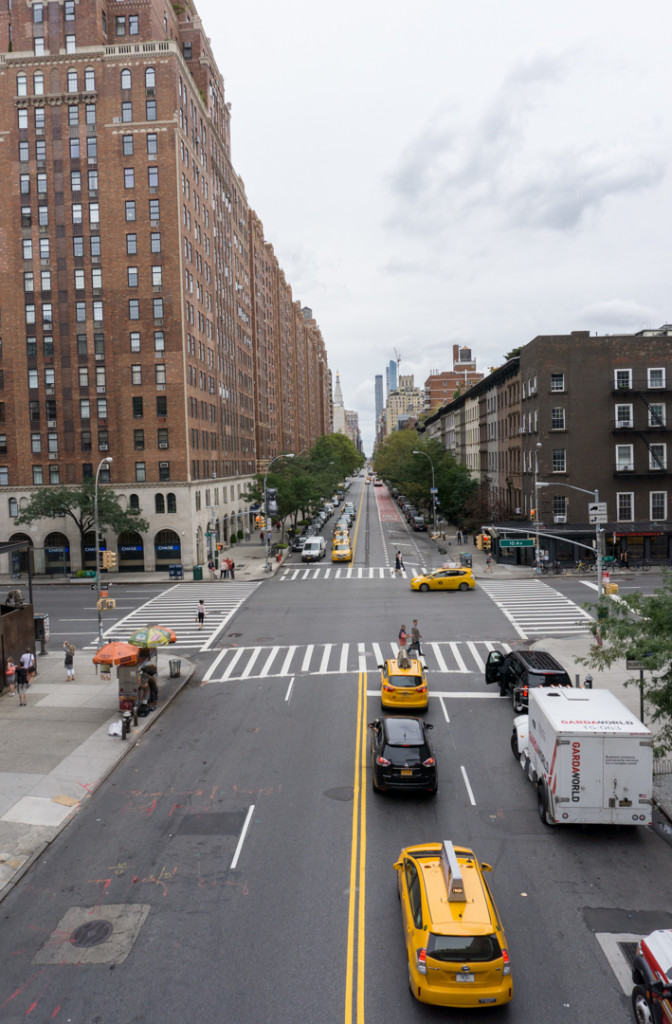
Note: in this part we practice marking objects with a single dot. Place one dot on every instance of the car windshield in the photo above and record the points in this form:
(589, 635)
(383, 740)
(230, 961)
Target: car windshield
(405, 681)
(463, 948)
(402, 755)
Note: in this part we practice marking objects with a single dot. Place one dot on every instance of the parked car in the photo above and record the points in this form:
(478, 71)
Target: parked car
(402, 755)
(298, 542)
(652, 978)
(418, 523)
(519, 671)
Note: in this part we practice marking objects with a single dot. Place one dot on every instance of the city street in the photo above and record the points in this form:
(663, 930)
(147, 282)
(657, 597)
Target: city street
(237, 862)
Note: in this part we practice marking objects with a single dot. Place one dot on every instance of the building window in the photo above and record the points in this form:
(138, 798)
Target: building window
(161, 405)
(127, 111)
(559, 505)
(36, 443)
(89, 79)
(157, 277)
(83, 376)
(37, 475)
(657, 414)
(135, 341)
(97, 311)
(13, 508)
(133, 309)
(658, 506)
(24, 188)
(155, 241)
(24, 152)
(625, 505)
(102, 408)
(136, 373)
(90, 109)
(656, 377)
(54, 475)
(140, 472)
(103, 441)
(39, 118)
(69, 10)
(153, 176)
(164, 471)
(129, 177)
(87, 468)
(21, 85)
(557, 419)
(27, 247)
(120, 25)
(657, 456)
(162, 437)
(73, 115)
(623, 380)
(139, 440)
(130, 209)
(159, 341)
(73, 84)
(39, 46)
(150, 78)
(92, 149)
(131, 245)
(76, 213)
(28, 281)
(171, 502)
(160, 373)
(126, 79)
(76, 181)
(153, 209)
(132, 277)
(134, 501)
(33, 410)
(70, 44)
(624, 416)
(557, 382)
(96, 278)
(23, 118)
(52, 443)
(624, 458)
(95, 245)
(38, 83)
(152, 144)
(86, 440)
(94, 213)
(159, 504)
(158, 309)
(137, 408)
(127, 145)
(559, 460)
(150, 110)
(44, 248)
(133, 24)
(84, 409)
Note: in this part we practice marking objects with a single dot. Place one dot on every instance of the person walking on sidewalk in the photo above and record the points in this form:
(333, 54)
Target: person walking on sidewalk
(232, 568)
(459, 537)
(28, 663)
(200, 614)
(21, 684)
(416, 637)
(10, 676)
(488, 563)
(211, 569)
(69, 661)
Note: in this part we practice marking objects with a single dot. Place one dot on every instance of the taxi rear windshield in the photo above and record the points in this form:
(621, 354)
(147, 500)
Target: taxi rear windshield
(405, 681)
(474, 948)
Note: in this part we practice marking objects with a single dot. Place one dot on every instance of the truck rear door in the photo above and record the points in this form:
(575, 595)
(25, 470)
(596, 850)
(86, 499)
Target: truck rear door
(627, 770)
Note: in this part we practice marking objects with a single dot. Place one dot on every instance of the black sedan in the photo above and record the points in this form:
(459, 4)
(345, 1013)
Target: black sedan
(402, 755)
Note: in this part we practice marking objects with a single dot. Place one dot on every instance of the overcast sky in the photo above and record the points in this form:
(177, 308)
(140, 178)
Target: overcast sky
(432, 173)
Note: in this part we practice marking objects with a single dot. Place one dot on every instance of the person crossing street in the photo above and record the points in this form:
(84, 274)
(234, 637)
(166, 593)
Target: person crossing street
(416, 637)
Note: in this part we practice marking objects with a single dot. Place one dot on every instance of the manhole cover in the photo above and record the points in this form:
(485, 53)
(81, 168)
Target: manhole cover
(235, 634)
(91, 934)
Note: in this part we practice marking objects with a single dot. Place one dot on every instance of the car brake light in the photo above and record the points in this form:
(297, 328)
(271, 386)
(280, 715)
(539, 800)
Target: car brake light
(524, 691)
(422, 689)
(382, 761)
(388, 689)
(429, 762)
(507, 962)
(421, 958)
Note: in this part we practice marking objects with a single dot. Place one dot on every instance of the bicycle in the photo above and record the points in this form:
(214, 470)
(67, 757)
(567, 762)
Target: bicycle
(551, 567)
(581, 567)
(640, 564)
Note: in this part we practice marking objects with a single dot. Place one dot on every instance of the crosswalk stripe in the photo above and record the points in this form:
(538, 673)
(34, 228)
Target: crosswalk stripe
(476, 656)
(458, 657)
(247, 672)
(308, 655)
(361, 657)
(234, 661)
(439, 658)
(288, 660)
(352, 572)
(378, 654)
(536, 608)
(325, 657)
(269, 661)
(344, 658)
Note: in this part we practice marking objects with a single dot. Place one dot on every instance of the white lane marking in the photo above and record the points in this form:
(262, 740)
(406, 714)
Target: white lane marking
(242, 838)
(521, 632)
(269, 660)
(307, 656)
(215, 664)
(378, 654)
(286, 663)
(466, 782)
(289, 689)
(232, 664)
(343, 667)
(327, 573)
(477, 658)
(458, 657)
(616, 959)
(361, 652)
(439, 657)
(325, 657)
(443, 708)
(250, 665)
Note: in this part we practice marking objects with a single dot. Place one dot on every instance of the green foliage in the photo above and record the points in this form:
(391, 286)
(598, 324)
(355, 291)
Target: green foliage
(513, 353)
(412, 474)
(639, 627)
(240, 534)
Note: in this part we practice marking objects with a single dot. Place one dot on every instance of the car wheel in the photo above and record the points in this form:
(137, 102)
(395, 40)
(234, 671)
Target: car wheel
(641, 1007)
(424, 587)
(541, 803)
(464, 586)
(514, 745)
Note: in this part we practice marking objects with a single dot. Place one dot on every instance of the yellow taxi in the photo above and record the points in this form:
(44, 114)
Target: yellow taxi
(455, 943)
(342, 552)
(340, 537)
(455, 578)
(403, 684)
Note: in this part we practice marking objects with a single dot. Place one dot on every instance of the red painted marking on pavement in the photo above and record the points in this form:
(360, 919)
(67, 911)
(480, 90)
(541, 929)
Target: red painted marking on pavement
(22, 988)
(387, 508)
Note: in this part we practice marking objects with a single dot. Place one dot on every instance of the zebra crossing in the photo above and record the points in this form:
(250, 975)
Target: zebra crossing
(176, 607)
(341, 572)
(535, 609)
(463, 657)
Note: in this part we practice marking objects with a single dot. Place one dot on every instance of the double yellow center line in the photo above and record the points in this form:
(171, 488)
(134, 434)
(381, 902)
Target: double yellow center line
(354, 974)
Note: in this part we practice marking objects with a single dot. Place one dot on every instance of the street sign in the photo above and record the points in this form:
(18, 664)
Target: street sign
(433, 490)
(601, 517)
(597, 508)
(517, 542)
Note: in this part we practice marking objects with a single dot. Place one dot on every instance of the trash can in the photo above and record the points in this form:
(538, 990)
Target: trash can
(198, 572)
(465, 559)
(175, 666)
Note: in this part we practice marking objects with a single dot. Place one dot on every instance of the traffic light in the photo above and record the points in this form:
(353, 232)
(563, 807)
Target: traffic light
(533, 514)
(479, 541)
(487, 541)
(109, 559)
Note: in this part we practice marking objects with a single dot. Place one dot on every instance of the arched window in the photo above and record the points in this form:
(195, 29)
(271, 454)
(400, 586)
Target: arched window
(134, 502)
(21, 85)
(159, 503)
(13, 508)
(89, 79)
(38, 83)
(73, 84)
(125, 79)
(150, 78)
(171, 502)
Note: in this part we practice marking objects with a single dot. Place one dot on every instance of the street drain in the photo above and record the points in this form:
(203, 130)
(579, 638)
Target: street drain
(93, 933)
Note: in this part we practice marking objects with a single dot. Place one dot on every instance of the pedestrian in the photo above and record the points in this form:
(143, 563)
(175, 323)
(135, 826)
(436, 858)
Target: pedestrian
(624, 559)
(149, 673)
(10, 676)
(211, 568)
(459, 537)
(21, 684)
(232, 568)
(488, 563)
(398, 564)
(262, 538)
(69, 661)
(402, 656)
(416, 637)
(200, 614)
(224, 569)
(28, 663)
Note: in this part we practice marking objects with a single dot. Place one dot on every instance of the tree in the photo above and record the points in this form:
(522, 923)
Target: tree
(412, 474)
(78, 504)
(639, 627)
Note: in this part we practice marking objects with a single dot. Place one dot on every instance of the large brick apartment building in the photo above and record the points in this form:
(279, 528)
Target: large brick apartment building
(144, 314)
(574, 411)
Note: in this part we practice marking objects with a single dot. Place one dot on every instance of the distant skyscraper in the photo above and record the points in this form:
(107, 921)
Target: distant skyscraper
(379, 396)
(391, 377)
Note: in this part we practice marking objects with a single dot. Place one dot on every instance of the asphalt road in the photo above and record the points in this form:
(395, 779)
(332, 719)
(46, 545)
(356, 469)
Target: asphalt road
(246, 865)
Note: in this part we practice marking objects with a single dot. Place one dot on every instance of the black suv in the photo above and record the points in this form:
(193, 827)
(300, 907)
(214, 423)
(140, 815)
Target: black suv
(519, 671)
(401, 755)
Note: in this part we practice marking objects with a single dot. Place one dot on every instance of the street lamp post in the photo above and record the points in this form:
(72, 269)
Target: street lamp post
(418, 452)
(106, 460)
(287, 455)
(598, 531)
(536, 503)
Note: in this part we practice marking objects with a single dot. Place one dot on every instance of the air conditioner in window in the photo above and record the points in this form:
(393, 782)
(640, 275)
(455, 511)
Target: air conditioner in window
(103, 447)
(559, 519)
(163, 444)
(51, 423)
(53, 455)
(100, 356)
(100, 389)
(50, 391)
(160, 387)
